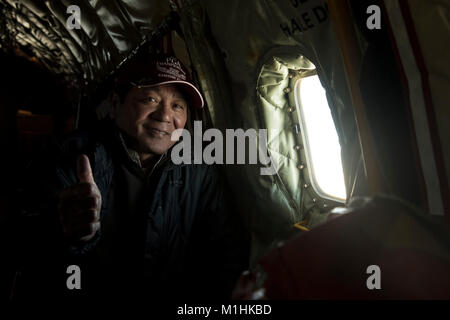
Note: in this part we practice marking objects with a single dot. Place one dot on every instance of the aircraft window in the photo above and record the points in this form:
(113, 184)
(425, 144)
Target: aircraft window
(322, 148)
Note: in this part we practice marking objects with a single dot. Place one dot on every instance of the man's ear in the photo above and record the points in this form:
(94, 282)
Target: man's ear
(114, 103)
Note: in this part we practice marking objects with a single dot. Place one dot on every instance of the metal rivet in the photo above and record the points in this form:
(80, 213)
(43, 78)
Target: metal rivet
(291, 75)
(287, 90)
(297, 148)
(325, 205)
(290, 110)
(305, 185)
(314, 200)
(301, 167)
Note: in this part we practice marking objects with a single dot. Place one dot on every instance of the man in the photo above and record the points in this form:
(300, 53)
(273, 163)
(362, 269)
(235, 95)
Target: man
(111, 202)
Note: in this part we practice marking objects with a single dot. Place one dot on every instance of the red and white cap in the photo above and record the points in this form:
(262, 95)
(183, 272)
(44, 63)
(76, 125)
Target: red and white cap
(158, 70)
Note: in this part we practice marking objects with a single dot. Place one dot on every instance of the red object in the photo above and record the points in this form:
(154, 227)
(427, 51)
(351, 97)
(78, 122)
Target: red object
(159, 69)
(331, 261)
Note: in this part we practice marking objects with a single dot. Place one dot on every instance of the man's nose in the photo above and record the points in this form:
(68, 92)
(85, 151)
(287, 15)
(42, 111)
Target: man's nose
(162, 112)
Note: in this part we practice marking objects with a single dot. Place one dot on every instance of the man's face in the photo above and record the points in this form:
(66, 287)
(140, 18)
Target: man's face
(150, 115)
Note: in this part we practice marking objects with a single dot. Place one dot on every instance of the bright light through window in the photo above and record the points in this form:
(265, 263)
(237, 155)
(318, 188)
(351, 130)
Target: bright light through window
(321, 141)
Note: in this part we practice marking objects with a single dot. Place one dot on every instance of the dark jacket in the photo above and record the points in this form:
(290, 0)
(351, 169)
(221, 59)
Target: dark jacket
(181, 242)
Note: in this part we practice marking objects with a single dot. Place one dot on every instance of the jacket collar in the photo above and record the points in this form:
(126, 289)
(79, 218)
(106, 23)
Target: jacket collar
(131, 157)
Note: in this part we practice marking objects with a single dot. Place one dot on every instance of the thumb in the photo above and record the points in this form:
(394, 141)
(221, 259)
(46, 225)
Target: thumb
(84, 170)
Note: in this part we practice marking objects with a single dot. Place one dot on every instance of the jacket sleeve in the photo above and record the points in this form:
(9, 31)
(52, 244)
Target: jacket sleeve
(43, 251)
(220, 241)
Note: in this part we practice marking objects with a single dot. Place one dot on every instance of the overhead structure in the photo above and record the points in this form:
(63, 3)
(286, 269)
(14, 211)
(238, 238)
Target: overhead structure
(107, 33)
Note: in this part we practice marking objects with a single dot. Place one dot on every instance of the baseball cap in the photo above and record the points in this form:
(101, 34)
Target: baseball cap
(157, 70)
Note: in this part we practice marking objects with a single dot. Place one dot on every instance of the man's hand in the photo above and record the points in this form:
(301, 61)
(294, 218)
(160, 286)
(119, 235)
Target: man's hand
(80, 204)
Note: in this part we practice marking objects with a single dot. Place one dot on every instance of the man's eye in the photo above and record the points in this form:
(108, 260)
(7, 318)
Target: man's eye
(179, 106)
(147, 100)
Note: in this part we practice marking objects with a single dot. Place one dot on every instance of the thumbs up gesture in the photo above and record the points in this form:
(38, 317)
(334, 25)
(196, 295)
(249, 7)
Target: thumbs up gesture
(80, 204)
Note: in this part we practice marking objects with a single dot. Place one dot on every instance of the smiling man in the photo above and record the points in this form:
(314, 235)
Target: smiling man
(111, 201)
(149, 116)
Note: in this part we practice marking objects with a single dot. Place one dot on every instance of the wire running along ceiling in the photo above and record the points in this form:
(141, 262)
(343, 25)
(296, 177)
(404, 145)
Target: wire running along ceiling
(109, 30)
